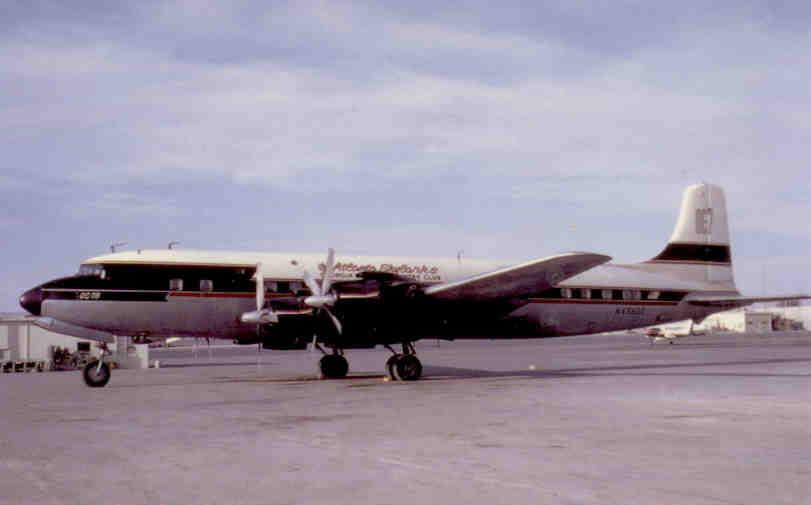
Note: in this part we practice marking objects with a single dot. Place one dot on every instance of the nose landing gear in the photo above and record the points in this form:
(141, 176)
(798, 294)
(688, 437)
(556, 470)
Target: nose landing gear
(96, 374)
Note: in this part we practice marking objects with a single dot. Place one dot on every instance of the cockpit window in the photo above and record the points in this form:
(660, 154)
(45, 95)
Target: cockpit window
(92, 270)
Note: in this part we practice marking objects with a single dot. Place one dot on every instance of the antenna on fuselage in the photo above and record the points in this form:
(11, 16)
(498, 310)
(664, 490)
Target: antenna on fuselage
(172, 244)
(116, 245)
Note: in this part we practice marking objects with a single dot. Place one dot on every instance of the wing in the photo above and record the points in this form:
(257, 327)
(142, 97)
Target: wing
(740, 301)
(519, 280)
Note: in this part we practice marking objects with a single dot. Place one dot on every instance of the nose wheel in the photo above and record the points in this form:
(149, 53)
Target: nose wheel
(96, 374)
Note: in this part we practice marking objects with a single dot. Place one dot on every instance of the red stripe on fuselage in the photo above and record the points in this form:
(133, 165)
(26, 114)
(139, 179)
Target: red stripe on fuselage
(601, 302)
(690, 262)
(199, 294)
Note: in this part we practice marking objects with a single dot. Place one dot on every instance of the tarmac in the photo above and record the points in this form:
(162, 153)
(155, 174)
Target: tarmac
(604, 419)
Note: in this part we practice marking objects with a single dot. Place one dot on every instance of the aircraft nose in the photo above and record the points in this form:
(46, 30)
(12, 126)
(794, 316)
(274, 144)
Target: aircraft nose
(31, 301)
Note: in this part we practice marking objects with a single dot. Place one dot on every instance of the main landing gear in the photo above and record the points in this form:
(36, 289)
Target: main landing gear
(333, 366)
(405, 366)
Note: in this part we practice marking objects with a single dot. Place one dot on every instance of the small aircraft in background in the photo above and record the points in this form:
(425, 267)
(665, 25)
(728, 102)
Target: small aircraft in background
(670, 333)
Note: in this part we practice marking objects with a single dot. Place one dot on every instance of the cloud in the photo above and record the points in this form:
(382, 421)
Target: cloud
(270, 121)
(7, 222)
(11, 183)
(127, 205)
(476, 118)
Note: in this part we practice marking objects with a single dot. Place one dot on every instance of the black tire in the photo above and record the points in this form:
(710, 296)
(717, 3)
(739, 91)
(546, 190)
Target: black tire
(391, 367)
(94, 376)
(333, 366)
(408, 368)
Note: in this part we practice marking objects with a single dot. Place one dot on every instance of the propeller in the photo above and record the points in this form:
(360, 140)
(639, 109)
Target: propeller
(322, 298)
(262, 314)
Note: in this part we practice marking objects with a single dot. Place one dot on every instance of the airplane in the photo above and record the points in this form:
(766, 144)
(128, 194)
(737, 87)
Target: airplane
(273, 299)
(670, 333)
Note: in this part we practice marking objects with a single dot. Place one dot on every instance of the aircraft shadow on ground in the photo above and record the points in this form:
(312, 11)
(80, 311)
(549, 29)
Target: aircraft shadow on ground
(441, 373)
(659, 369)
(204, 364)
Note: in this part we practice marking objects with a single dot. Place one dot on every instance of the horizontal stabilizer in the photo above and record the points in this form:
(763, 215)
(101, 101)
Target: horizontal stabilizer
(50, 324)
(740, 301)
(518, 280)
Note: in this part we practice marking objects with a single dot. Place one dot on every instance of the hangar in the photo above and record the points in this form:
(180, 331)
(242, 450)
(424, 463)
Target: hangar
(760, 320)
(24, 346)
(22, 340)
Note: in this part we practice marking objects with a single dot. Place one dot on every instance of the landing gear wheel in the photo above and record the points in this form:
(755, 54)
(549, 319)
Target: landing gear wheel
(96, 376)
(391, 366)
(408, 368)
(333, 366)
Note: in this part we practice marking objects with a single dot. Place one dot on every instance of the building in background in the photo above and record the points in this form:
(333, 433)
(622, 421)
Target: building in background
(793, 317)
(22, 340)
(757, 322)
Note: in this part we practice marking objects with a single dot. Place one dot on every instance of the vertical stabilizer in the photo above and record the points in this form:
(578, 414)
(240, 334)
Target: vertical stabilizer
(703, 217)
(700, 244)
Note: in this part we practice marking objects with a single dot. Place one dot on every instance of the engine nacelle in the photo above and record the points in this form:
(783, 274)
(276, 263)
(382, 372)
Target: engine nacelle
(284, 336)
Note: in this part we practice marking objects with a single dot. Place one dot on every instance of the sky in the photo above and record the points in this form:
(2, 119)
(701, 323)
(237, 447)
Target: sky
(507, 130)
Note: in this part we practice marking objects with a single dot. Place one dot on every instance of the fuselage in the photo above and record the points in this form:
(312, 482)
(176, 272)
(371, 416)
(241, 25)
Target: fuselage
(162, 293)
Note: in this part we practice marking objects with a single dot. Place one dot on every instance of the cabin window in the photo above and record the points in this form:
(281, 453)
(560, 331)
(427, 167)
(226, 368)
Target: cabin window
(606, 294)
(566, 292)
(631, 294)
(296, 286)
(653, 295)
(282, 287)
(616, 294)
(584, 293)
(206, 285)
(175, 284)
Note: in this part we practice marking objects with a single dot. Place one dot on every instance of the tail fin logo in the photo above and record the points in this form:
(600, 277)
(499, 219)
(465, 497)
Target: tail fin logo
(704, 221)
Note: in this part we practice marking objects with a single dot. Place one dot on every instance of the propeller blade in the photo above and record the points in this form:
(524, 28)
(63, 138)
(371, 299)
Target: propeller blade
(335, 321)
(261, 315)
(321, 297)
(329, 271)
(260, 287)
(312, 285)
